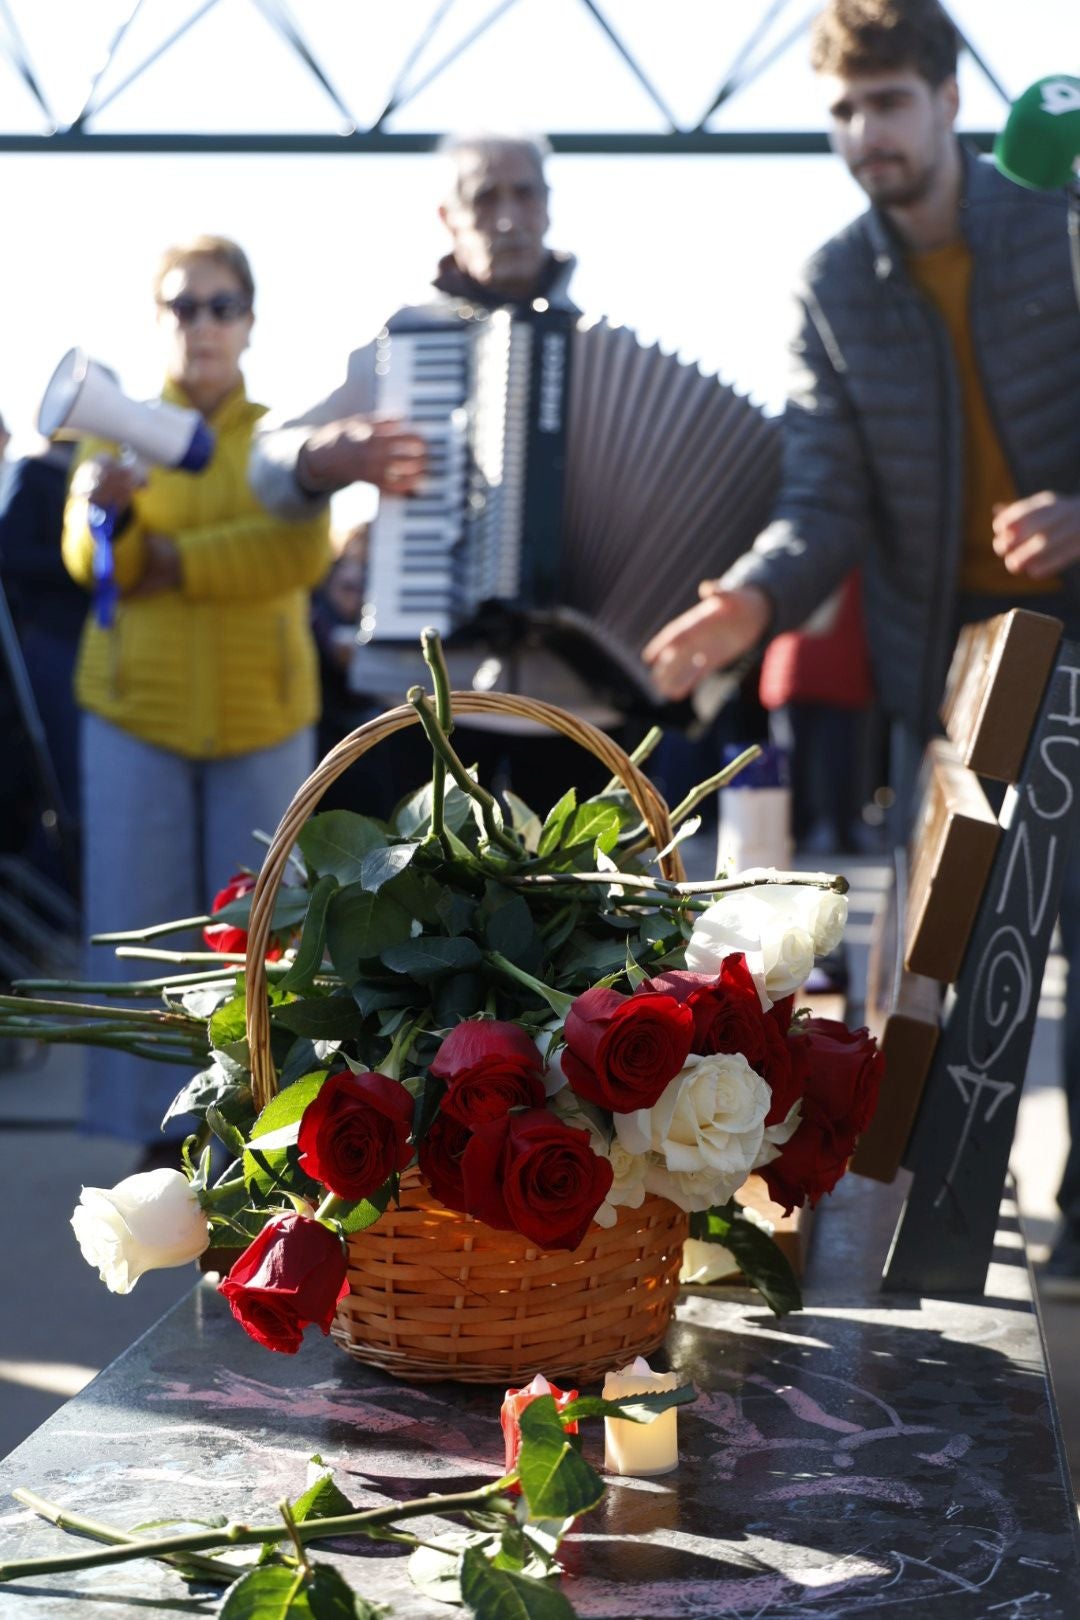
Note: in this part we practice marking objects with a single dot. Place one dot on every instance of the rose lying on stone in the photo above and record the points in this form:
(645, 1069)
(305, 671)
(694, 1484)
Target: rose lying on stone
(355, 1133)
(621, 1051)
(489, 1067)
(145, 1223)
(292, 1275)
(528, 1172)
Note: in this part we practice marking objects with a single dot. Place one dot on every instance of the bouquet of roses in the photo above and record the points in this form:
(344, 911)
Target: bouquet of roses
(516, 1006)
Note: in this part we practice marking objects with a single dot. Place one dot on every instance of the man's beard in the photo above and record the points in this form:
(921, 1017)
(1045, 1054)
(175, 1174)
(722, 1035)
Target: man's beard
(899, 186)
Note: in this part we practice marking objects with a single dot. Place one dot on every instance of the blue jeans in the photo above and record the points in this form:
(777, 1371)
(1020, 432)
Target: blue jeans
(161, 835)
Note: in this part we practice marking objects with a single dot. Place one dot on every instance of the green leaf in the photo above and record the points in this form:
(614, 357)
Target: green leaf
(357, 1217)
(500, 1594)
(321, 1018)
(594, 824)
(290, 907)
(275, 1592)
(511, 931)
(431, 956)
(631, 1408)
(456, 997)
(456, 912)
(558, 816)
(413, 816)
(359, 926)
(228, 1027)
(524, 820)
(225, 1131)
(269, 1169)
(556, 1481)
(223, 1082)
(375, 995)
(761, 1261)
(436, 1566)
(312, 945)
(322, 1499)
(336, 842)
(633, 972)
(383, 864)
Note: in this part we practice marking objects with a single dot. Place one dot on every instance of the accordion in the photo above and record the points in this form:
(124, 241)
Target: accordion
(579, 486)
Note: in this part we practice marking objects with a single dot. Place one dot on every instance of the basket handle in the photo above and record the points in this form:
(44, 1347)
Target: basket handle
(653, 811)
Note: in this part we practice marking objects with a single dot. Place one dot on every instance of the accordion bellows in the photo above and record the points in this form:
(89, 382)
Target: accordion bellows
(582, 480)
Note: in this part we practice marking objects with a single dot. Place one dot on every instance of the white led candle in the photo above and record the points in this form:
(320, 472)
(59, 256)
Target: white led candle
(640, 1449)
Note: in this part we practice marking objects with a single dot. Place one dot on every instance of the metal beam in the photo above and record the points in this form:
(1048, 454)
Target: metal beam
(588, 143)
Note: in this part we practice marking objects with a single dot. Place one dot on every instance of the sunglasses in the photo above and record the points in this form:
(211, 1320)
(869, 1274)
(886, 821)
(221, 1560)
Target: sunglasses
(222, 307)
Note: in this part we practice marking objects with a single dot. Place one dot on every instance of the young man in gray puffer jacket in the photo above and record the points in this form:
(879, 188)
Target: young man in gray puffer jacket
(932, 431)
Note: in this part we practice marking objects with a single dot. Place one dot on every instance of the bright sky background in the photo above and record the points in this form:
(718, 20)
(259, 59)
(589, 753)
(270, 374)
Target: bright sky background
(698, 253)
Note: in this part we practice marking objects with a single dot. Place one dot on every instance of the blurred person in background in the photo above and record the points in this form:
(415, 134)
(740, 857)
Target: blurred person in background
(200, 701)
(931, 426)
(336, 609)
(48, 610)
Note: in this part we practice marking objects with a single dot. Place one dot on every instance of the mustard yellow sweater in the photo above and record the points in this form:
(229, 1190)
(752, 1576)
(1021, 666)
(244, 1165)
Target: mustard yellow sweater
(226, 663)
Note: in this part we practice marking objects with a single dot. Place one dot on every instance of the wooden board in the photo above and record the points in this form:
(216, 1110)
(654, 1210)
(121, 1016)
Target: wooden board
(952, 849)
(908, 1041)
(996, 681)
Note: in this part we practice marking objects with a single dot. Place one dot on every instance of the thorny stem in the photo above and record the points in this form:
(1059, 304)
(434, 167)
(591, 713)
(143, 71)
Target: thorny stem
(640, 754)
(440, 677)
(63, 1519)
(752, 879)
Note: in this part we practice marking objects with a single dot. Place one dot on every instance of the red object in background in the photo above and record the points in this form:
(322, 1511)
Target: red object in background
(830, 666)
(226, 937)
(515, 1403)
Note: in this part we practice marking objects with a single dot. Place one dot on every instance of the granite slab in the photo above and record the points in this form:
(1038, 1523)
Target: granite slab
(874, 1455)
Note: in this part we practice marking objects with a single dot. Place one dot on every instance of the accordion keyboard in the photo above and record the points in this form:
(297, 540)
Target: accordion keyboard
(415, 577)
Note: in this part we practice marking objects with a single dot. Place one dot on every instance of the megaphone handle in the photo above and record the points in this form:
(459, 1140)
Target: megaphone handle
(102, 522)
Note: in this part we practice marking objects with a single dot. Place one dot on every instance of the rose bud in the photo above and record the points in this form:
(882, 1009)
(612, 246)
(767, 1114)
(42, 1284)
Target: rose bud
(528, 1172)
(227, 937)
(355, 1133)
(145, 1223)
(489, 1068)
(841, 1072)
(293, 1274)
(621, 1051)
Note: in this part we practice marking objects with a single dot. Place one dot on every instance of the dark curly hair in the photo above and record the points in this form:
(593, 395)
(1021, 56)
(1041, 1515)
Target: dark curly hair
(852, 37)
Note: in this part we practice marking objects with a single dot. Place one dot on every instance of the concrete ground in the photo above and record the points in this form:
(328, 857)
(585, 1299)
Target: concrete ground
(59, 1325)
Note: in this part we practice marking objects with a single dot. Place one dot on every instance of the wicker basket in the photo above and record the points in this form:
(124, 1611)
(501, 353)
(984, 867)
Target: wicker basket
(434, 1294)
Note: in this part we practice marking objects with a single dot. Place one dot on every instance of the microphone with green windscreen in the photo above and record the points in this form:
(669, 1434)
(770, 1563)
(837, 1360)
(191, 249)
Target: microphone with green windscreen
(1040, 147)
(1040, 143)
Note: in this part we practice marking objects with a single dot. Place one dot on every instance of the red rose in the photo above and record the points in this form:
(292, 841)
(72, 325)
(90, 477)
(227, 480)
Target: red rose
(439, 1158)
(621, 1051)
(530, 1173)
(841, 1069)
(728, 1018)
(224, 936)
(293, 1274)
(355, 1133)
(510, 1416)
(489, 1068)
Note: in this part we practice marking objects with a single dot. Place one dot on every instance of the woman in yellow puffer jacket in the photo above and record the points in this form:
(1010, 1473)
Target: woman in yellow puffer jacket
(199, 701)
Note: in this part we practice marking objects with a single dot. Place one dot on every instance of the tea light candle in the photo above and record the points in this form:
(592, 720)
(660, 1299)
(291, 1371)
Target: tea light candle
(514, 1404)
(640, 1449)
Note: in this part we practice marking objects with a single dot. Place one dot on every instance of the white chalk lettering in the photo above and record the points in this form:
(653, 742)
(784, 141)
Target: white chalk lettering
(1072, 718)
(1000, 995)
(1046, 751)
(973, 1088)
(1021, 849)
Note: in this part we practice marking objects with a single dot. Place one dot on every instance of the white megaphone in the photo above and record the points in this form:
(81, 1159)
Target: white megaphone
(83, 398)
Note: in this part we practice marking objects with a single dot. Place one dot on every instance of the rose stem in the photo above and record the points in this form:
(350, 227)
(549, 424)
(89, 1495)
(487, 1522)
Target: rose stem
(65, 1520)
(440, 679)
(441, 745)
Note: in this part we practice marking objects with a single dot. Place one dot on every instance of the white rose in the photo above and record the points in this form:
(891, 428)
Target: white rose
(708, 1123)
(824, 914)
(144, 1223)
(554, 1079)
(770, 930)
(692, 1190)
(706, 1262)
(627, 1188)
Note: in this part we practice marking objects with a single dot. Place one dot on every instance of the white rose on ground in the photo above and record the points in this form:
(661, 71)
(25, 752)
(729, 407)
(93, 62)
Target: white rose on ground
(145, 1223)
(706, 1262)
(708, 1123)
(771, 930)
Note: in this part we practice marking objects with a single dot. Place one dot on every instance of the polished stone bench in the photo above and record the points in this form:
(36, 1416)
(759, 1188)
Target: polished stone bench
(876, 1454)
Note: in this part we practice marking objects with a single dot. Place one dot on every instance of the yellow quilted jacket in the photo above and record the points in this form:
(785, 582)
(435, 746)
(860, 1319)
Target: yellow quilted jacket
(226, 663)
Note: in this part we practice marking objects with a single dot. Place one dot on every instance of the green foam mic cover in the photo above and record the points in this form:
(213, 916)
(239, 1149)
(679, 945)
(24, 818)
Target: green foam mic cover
(1041, 140)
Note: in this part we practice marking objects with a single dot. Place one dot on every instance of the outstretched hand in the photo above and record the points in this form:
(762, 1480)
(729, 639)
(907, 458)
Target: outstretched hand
(716, 632)
(363, 450)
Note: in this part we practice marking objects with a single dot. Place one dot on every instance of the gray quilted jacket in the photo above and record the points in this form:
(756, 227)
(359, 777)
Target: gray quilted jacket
(873, 432)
